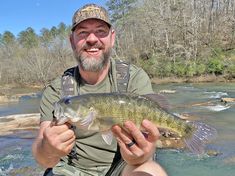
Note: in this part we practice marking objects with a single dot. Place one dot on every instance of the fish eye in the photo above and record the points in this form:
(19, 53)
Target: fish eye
(67, 101)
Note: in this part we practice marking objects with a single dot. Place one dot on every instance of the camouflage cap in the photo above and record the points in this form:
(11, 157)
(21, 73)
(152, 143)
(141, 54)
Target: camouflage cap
(90, 11)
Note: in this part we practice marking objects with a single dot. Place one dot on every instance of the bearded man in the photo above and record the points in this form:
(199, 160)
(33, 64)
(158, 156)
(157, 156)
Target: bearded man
(92, 39)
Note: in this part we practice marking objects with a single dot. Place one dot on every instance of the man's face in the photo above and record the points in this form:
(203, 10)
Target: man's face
(92, 42)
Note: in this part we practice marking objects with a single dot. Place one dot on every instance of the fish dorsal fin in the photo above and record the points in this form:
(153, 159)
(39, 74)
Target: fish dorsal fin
(107, 137)
(159, 99)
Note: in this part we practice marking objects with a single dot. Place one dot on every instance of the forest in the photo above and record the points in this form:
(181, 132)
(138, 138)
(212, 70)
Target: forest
(168, 38)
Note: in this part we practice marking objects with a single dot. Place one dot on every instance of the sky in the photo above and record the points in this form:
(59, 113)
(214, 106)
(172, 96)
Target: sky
(17, 15)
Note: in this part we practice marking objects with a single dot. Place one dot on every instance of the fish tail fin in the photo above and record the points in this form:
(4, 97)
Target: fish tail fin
(202, 135)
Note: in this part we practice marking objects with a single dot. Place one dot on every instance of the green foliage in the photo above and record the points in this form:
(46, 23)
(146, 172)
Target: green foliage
(45, 37)
(28, 38)
(191, 70)
(200, 69)
(149, 66)
(164, 69)
(231, 70)
(8, 38)
(179, 69)
(119, 8)
(215, 66)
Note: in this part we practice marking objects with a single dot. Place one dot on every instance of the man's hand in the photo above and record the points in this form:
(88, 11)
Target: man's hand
(58, 140)
(144, 143)
(52, 143)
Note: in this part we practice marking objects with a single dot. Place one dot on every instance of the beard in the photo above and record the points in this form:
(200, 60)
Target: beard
(93, 64)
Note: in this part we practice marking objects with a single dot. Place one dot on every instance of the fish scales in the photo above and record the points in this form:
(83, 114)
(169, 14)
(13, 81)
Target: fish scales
(101, 111)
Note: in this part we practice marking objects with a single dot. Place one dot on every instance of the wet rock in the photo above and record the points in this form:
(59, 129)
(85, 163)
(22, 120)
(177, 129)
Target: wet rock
(186, 116)
(228, 100)
(171, 143)
(213, 153)
(167, 91)
(12, 123)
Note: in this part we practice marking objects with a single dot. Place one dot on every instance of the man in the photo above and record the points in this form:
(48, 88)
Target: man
(92, 39)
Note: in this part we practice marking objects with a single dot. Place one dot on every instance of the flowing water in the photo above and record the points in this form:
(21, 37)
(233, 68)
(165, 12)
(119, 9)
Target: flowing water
(202, 102)
(199, 101)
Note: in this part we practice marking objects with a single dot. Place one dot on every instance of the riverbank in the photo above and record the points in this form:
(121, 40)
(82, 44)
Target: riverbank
(198, 79)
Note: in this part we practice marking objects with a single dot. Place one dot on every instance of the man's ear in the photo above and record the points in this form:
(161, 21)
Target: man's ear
(113, 34)
(72, 42)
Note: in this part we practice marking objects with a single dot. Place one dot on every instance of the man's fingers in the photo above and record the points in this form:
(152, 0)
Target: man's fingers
(67, 135)
(136, 134)
(66, 146)
(60, 128)
(151, 129)
(124, 140)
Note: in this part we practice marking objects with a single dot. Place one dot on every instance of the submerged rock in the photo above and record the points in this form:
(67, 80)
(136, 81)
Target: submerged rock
(230, 160)
(27, 171)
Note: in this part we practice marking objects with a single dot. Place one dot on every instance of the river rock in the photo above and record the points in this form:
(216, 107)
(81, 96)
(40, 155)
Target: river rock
(167, 91)
(12, 123)
(228, 100)
(171, 143)
(213, 152)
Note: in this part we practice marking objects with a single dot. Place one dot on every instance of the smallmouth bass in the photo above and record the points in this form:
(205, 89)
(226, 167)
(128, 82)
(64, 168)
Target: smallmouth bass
(99, 112)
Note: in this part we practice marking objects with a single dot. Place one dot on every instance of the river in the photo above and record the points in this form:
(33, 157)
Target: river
(200, 101)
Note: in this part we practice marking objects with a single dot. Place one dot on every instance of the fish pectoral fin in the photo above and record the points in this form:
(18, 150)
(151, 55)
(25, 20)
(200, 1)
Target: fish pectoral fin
(107, 137)
(88, 120)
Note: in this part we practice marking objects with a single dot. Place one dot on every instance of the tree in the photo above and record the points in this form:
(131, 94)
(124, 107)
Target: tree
(119, 8)
(28, 38)
(8, 38)
(45, 37)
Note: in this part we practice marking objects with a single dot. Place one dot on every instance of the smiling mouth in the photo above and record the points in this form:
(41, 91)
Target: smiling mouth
(92, 50)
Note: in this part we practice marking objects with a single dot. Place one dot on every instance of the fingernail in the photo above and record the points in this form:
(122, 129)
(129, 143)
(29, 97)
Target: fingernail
(146, 122)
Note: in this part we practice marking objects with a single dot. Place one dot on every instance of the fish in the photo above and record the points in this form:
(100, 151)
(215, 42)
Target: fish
(100, 111)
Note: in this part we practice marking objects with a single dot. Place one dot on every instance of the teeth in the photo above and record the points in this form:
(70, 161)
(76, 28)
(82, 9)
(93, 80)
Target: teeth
(93, 49)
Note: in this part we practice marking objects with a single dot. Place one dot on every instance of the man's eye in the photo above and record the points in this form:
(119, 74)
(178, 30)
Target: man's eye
(83, 33)
(101, 33)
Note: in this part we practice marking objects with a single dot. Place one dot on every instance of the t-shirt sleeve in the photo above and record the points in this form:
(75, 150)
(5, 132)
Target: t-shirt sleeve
(139, 81)
(51, 94)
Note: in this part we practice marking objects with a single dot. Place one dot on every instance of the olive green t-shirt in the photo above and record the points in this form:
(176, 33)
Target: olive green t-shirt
(91, 150)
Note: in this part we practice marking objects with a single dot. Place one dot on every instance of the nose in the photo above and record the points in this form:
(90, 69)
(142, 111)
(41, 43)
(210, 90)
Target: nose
(92, 38)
